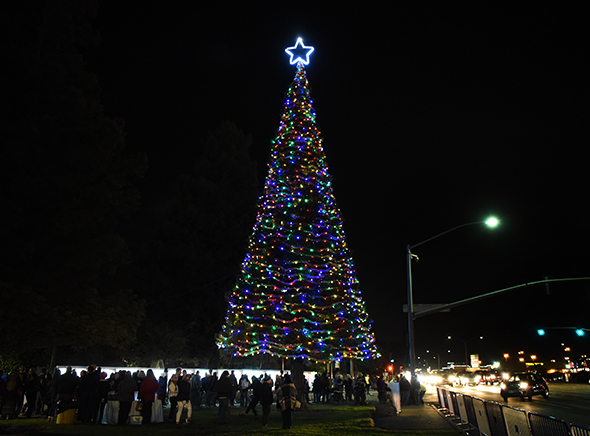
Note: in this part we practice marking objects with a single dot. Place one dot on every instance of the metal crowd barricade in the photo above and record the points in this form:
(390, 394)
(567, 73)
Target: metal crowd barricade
(577, 430)
(482, 417)
(495, 419)
(441, 397)
(453, 401)
(449, 402)
(542, 425)
(464, 416)
(462, 409)
(468, 400)
(517, 423)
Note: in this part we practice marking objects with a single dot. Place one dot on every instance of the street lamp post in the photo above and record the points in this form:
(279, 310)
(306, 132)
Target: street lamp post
(490, 222)
(465, 343)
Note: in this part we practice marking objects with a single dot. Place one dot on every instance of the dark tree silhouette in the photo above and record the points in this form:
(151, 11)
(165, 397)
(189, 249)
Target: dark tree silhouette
(189, 261)
(66, 186)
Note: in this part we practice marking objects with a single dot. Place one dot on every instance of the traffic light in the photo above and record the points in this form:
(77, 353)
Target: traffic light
(390, 368)
(580, 332)
(541, 332)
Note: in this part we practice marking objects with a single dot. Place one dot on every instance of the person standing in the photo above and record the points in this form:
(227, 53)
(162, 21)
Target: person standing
(126, 394)
(405, 389)
(244, 387)
(31, 388)
(360, 391)
(66, 388)
(147, 392)
(286, 401)
(9, 404)
(162, 383)
(422, 392)
(196, 391)
(85, 392)
(348, 388)
(415, 390)
(382, 389)
(102, 395)
(234, 388)
(266, 397)
(223, 389)
(172, 397)
(52, 413)
(183, 399)
(2, 390)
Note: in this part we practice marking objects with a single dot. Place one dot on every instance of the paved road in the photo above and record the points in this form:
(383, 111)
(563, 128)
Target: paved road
(567, 401)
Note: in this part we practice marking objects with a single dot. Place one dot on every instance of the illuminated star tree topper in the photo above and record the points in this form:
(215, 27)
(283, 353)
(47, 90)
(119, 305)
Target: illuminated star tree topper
(297, 51)
(298, 295)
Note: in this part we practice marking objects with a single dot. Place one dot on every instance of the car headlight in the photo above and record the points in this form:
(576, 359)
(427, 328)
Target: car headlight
(503, 386)
(524, 385)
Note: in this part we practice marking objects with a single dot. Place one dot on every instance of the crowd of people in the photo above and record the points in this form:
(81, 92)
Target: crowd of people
(24, 393)
(342, 388)
(411, 391)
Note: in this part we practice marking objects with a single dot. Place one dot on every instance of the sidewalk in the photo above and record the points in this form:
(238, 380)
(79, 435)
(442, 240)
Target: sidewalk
(425, 417)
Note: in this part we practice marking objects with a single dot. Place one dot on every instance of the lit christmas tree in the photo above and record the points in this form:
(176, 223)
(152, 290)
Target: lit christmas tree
(297, 295)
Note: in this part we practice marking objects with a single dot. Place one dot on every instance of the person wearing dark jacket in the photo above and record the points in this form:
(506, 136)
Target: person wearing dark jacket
(360, 391)
(266, 398)
(405, 389)
(85, 391)
(224, 389)
(2, 391)
(163, 384)
(286, 401)
(53, 387)
(9, 404)
(31, 387)
(66, 389)
(126, 390)
(256, 386)
(183, 398)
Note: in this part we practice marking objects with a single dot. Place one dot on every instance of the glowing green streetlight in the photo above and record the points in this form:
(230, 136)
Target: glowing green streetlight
(492, 222)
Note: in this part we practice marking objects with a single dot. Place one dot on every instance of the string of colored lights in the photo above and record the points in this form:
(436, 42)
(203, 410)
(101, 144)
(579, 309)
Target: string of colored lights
(297, 294)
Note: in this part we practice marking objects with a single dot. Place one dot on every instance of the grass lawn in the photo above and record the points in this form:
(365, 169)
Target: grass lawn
(320, 420)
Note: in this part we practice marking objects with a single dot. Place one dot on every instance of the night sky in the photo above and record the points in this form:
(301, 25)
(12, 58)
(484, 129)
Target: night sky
(432, 116)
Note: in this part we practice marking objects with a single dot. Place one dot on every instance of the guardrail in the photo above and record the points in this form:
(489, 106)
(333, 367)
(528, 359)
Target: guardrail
(488, 418)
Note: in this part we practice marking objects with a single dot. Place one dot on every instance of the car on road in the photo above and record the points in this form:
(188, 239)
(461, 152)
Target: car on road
(524, 384)
(488, 377)
(449, 377)
(466, 378)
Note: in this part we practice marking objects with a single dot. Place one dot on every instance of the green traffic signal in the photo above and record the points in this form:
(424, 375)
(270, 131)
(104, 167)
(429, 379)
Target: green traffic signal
(580, 332)
(541, 332)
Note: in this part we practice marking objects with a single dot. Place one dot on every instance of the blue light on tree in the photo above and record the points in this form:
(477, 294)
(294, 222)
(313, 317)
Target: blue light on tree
(297, 295)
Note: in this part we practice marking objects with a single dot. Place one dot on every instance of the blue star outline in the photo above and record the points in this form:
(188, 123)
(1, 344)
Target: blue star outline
(298, 50)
